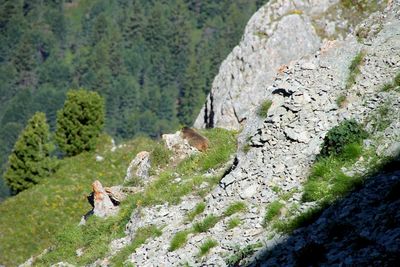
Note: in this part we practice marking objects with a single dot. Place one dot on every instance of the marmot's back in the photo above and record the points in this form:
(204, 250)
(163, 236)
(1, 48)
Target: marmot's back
(195, 139)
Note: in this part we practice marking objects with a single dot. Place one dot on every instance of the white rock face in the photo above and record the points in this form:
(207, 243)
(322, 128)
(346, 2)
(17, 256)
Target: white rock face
(277, 34)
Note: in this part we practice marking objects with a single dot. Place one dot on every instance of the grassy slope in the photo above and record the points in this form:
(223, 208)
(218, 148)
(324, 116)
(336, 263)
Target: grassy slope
(48, 214)
(29, 221)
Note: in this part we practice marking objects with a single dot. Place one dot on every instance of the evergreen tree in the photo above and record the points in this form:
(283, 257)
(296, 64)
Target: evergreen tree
(80, 122)
(30, 160)
(191, 96)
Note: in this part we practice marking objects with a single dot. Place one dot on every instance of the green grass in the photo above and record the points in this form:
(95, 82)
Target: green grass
(241, 253)
(207, 246)
(354, 69)
(179, 240)
(31, 221)
(327, 181)
(233, 222)
(160, 156)
(141, 236)
(394, 85)
(273, 211)
(196, 211)
(235, 207)
(340, 101)
(206, 224)
(263, 109)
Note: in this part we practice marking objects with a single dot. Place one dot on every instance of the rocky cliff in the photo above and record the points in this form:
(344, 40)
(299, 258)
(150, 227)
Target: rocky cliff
(276, 152)
(280, 32)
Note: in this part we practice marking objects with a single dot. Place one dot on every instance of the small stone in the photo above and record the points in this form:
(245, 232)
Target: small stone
(308, 66)
(99, 158)
(249, 192)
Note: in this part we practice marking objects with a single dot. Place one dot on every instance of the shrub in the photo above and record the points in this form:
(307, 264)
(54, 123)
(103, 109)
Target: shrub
(348, 131)
(263, 109)
(80, 122)
(30, 159)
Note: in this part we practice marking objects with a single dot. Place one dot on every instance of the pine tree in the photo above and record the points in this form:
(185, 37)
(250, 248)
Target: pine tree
(30, 160)
(192, 95)
(80, 122)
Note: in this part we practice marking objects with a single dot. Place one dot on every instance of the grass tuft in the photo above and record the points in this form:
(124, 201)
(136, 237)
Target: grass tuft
(196, 211)
(178, 240)
(142, 235)
(207, 246)
(263, 109)
(354, 69)
(340, 101)
(233, 222)
(206, 224)
(235, 208)
(272, 212)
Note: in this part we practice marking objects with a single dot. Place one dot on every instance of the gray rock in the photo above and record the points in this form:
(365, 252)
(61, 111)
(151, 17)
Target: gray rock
(139, 167)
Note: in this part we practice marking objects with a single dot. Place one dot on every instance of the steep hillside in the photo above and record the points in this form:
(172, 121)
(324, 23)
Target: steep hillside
(315, 177)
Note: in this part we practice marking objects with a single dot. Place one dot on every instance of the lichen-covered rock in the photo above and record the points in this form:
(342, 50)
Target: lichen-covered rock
(139, 167)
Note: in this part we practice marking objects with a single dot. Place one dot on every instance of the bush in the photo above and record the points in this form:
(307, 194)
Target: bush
(80, 122)
(347, 132)
(30, 159)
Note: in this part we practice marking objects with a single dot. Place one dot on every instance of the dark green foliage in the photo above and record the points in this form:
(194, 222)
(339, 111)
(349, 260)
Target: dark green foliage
(348, 131)
(79, 122)
(152, 61)
(263, 109)
(30, 160)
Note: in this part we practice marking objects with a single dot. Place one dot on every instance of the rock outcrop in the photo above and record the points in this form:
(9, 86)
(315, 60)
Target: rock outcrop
(280, 32)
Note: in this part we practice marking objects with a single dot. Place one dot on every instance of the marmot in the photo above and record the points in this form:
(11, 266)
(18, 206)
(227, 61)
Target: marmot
(195, 139)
